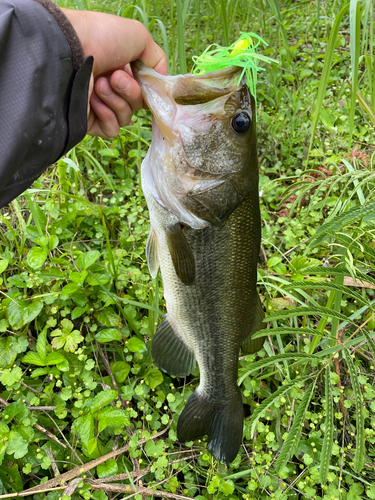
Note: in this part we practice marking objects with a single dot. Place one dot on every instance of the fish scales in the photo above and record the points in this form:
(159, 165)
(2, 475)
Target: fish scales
(220, 298)
(206, 240)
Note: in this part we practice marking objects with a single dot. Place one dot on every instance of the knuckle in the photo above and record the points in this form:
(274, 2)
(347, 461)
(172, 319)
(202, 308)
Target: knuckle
(142, 28)
(125, 119)
(111, 129)
(121, 106)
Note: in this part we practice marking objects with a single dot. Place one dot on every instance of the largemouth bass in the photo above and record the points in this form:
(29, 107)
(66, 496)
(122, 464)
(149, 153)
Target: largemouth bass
(200, 180)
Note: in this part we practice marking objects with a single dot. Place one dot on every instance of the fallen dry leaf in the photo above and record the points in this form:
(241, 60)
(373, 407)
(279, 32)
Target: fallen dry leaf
(363, 284)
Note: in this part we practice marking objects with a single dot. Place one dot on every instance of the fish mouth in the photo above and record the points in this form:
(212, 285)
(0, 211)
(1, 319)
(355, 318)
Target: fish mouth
(191, 89)
(167, 91)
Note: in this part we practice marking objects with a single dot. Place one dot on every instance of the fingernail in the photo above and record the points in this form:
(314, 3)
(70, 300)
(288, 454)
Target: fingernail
(106, 90)
(122, 83)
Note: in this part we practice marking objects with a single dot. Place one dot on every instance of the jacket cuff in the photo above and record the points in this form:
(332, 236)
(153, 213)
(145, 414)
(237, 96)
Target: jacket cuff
(68, 31)
(77, 119)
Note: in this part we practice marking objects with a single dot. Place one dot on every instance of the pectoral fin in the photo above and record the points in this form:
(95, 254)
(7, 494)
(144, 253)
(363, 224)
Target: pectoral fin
(170, 353)
(152, 253)
(182, 256)
(249, 346)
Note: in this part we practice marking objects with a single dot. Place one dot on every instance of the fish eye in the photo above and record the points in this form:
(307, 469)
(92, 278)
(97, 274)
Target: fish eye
(240, 122)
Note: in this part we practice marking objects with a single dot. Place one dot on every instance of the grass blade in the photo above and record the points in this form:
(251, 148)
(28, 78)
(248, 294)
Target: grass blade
(366, 107)
(165, 39)
(338, 347)
(359, 457)
(273, 360)
(294, 436)
(268, 402)
(361, 196)
(270, 353)
(276, 10)
(355, 32)
(111, 260)
(370, 342)
(185, 10)
(326, 72)
(225, 21)
(151, 315)
(311, 285)
(181, 38)
(340, 269)
(326, 452)
(95, 163)
(304, 311)
(143, 14)
(39, 218)
(337, 223)
(283, 331)
(372, 85)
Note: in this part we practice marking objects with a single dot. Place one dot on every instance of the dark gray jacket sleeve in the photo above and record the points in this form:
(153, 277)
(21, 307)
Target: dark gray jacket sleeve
(43, 94)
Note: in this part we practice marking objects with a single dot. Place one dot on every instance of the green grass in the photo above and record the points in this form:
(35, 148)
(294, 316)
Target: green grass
(78, 307)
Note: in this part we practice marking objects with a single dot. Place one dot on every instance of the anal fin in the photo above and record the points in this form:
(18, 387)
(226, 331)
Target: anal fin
(182, 256)
(170, 353)
(152, 253)
(249, 346)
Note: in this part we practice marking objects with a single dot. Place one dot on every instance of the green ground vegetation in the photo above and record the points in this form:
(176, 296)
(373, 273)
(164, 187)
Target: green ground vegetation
(78, 307)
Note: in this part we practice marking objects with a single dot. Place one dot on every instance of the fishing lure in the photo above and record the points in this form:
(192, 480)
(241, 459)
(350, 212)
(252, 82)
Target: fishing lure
(242, 53)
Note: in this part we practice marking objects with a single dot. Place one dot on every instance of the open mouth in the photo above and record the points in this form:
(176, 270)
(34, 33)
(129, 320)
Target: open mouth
(163, 93)
(187, 89)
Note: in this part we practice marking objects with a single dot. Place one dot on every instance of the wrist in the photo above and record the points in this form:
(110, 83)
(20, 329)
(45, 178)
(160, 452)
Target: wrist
(67, 29)
(87, 26)
(77, 18)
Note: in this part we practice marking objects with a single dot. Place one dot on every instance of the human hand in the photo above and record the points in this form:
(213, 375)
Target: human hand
(114, 42)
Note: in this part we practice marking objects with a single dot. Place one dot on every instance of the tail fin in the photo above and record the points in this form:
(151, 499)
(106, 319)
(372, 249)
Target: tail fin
(223, 423)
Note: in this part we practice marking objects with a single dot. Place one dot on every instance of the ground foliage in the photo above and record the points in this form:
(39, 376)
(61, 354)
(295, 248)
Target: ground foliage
(78, 307)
